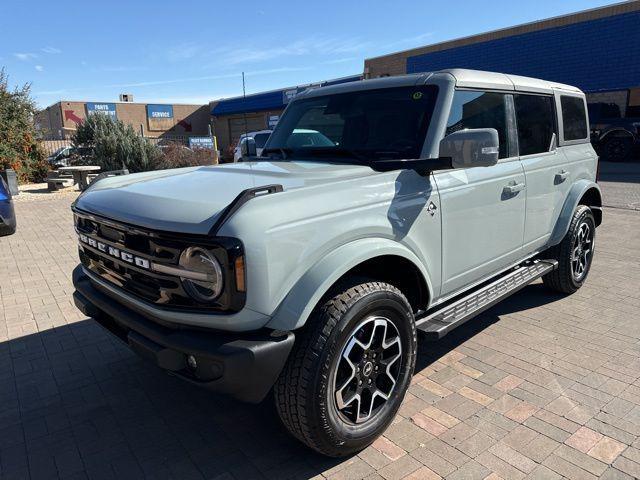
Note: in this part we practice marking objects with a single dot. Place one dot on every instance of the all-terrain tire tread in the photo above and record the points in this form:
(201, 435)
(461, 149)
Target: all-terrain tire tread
(560, 279)
(293, 385)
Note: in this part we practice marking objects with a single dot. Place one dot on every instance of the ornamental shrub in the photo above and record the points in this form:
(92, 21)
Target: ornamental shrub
(113, 145)
(19, 145)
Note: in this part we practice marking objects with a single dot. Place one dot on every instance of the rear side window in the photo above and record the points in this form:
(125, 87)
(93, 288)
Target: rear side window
(480, 110)
(536, 123)
(574, 118)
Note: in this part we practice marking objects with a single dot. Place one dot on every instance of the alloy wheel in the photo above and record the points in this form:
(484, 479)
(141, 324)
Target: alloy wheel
(368, 369)
(617, 149)
(582, 251)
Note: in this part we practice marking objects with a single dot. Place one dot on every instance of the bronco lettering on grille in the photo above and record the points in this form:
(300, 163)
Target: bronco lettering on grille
(115, 252)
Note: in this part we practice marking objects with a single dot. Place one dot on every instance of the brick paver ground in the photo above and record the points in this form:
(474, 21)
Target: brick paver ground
(541, 386)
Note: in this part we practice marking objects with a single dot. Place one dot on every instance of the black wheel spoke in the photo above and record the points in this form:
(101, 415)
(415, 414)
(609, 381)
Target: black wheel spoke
(368, 369)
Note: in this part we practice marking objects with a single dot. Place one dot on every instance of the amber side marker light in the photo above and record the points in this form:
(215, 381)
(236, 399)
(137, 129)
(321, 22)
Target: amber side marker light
(239, 268)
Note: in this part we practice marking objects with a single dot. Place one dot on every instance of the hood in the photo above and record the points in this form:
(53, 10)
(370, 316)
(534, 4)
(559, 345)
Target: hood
(190, 200)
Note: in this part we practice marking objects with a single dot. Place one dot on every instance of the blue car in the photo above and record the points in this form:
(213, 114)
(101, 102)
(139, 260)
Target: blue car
(7, 214)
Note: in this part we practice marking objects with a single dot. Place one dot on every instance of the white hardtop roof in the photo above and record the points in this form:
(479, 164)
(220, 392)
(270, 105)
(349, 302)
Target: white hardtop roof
(503, 81)
(463, 78)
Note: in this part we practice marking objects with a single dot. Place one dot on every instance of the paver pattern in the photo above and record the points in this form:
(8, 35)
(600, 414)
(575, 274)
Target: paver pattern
(621, 183)
(541, 386)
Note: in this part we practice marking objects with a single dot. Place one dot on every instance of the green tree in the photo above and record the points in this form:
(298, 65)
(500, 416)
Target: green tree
(19, 146)
(115, 145)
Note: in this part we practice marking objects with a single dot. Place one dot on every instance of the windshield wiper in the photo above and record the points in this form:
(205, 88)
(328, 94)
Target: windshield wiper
(335, 151)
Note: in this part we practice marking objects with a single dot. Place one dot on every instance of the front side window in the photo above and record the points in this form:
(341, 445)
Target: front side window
(480, 110)
(367, 125)
(574, 118)
(535, 117)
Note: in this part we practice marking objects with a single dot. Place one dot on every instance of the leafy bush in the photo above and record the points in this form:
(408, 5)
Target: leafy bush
(175, 155)
(19, 148)
(114, 145)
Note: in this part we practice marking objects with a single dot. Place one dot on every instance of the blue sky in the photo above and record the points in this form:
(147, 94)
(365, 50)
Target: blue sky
(195, 51)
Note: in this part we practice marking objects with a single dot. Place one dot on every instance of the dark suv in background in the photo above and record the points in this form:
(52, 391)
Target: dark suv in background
(615, 137)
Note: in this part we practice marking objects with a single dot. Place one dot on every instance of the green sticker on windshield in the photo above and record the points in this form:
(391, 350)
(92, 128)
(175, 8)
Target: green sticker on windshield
(417, 95)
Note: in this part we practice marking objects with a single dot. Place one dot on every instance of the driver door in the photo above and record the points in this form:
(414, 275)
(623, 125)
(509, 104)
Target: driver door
(482, 208)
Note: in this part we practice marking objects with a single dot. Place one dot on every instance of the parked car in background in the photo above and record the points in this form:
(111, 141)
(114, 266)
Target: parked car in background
(81, 155)
(260, 137)
(60, 158)
(614, 136)
(307, 138)
(7, 213)
(378, 209)
(65, 156)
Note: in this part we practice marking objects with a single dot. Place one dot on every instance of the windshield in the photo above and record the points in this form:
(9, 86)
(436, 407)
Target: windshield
(368, 124)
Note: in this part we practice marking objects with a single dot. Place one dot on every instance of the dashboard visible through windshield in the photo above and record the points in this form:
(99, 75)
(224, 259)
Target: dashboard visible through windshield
(360, 126)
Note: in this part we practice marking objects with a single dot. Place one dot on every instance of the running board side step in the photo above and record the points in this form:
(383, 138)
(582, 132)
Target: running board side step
(438, 323)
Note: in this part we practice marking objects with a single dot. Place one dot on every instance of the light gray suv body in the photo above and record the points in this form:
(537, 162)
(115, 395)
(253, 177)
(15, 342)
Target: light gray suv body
(309, 270)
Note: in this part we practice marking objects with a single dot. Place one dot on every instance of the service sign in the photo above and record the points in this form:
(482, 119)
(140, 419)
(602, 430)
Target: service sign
(108, 109)
(201, 142)
(273, 121)
(160, 117)
(288, 95)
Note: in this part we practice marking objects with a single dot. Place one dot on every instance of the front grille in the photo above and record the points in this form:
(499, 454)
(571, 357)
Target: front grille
(121, 255)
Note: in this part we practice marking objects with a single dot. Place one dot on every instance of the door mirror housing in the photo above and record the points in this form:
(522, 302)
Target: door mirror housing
(477, 147)
(248, 148)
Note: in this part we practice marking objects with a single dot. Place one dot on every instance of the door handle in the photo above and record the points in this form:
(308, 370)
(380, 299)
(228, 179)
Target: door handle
(513, 188)
(562, 176)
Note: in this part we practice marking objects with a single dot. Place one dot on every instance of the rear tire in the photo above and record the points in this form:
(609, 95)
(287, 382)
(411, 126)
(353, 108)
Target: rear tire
(574, 253)
(356, 349)
(617, 148)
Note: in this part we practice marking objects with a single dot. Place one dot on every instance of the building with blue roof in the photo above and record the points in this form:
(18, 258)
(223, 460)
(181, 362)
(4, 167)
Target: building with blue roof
(259, 111)
(597, 50)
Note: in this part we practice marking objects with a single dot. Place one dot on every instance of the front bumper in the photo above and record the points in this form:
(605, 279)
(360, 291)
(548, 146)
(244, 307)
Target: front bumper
(243, 365)
(7, 218)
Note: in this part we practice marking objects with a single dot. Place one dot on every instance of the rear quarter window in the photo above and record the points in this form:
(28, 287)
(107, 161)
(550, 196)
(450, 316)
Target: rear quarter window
(574, 118)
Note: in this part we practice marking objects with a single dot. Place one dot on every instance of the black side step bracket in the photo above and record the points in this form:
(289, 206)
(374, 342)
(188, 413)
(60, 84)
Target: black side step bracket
(240, 200)
(436, 324)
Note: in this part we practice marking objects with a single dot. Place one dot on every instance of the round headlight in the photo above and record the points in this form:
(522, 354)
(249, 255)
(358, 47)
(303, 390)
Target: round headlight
(202, 278)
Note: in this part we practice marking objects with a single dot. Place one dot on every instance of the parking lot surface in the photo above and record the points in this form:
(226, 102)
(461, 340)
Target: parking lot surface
(541, 386)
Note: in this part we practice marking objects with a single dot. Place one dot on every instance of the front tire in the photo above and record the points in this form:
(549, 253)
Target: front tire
(574, 253)
(349, 370)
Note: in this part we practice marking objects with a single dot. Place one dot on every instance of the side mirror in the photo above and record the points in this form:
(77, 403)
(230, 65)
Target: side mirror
(248, 148)
(478, 147)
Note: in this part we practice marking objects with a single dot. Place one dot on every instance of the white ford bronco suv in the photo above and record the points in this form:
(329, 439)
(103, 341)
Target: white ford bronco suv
(377, 210)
